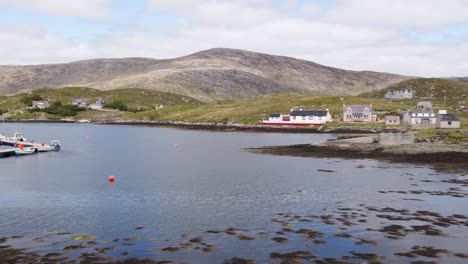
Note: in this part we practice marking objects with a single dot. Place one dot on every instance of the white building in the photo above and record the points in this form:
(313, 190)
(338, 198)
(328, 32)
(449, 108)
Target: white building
(300, 118)
(40, 104)
(392, 120)
(359, 113)
(448, 121)
(420, 118)
(79, 102)
(400, 94)
(98, 105)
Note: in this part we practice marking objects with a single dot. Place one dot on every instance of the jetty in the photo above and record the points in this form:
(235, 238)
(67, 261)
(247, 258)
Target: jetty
(5, 153)
(19, 143)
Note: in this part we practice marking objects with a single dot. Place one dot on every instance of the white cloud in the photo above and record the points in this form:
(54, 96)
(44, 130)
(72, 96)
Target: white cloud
(93, 9)
(424, 14)
(30, 44)
(359, 42)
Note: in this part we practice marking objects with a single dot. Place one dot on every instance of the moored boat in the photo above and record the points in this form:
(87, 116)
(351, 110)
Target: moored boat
(55, 144)
(25, 151)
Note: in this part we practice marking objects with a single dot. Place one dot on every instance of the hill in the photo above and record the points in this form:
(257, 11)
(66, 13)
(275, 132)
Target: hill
(206, 75)
(459, 79)
(423, 87)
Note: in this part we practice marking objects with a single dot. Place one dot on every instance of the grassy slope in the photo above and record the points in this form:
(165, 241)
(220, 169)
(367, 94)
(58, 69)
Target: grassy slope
(186, 109)
(251, 111)
(141, 99)
(427, 86)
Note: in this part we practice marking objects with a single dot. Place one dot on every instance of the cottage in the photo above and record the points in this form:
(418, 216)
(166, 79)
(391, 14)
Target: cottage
(392, 120)
(425, 118)
(424, 106)
(40, 104)
(448, 121)
(358, 113)
(79, 102)
(300, 118)
(399, 94)
(98, 105)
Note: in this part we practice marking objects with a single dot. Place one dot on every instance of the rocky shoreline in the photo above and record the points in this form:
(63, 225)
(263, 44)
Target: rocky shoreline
(256, 128)
(365, 148)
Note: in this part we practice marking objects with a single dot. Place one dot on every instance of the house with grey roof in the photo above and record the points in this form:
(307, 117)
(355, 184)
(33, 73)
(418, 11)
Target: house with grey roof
(358, 113)
(40, 104)
(448, 121)
(300, 117)
(79, 102)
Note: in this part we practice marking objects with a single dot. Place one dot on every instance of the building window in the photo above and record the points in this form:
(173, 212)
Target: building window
(449, 122)
(294, 117)
(303, 118)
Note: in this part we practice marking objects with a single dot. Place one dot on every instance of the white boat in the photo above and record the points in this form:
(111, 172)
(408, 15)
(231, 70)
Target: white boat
(25, 151)
(45, 148)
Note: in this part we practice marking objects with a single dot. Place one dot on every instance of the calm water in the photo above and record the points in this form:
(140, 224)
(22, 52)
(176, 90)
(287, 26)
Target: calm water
(208, 183)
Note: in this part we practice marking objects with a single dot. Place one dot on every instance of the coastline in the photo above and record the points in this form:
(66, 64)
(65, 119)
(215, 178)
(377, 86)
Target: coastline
(364, 148)
(230, 127)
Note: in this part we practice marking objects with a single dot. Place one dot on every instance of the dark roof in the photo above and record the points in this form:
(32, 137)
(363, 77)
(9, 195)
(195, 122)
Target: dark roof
(275, 115)
(449, 117)
(309, 113)
(358, 108)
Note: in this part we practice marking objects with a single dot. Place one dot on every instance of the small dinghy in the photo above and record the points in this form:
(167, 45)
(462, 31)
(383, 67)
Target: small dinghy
(55, 145)
(25, 151)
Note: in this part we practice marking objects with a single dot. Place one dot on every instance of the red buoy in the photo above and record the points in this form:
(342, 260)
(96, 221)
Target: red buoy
(111, 178)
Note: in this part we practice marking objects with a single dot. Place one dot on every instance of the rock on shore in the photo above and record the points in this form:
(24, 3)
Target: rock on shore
(364, 147)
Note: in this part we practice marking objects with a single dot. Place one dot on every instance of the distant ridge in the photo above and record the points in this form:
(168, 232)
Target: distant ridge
(205, 75)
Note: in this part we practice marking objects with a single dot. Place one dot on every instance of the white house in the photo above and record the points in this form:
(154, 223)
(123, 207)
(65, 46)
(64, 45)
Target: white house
(300, 118)
(79, 102)
(40, 104)
(98, 105)
(448, 121)
(358, 113)
(420, 118)
(400, 94)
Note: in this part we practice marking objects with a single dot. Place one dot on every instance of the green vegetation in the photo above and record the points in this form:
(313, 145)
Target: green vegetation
(28, 99)
(139, 104)
(57, 109)
(135, 99)
(117, 104)
(438, 88)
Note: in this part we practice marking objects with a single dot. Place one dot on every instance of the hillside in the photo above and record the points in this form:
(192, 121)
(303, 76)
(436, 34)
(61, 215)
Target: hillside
(437, 88)
(136, 99)
(459, 79)
(206, 75)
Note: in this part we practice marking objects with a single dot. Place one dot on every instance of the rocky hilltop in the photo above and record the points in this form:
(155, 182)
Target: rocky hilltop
(214, 73)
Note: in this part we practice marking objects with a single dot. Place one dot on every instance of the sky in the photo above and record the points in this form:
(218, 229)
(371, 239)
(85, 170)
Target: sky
(426, 38)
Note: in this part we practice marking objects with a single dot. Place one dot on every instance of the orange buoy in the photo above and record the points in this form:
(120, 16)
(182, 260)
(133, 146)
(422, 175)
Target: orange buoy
(42, 143)
(21, 146)
(111, 178)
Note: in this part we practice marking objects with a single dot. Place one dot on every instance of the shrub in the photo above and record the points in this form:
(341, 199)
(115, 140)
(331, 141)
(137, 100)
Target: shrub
(117, 104)
(28, 99)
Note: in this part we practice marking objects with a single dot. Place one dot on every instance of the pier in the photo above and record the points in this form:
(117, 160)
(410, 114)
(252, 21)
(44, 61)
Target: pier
(5, 153)
(18, 144)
